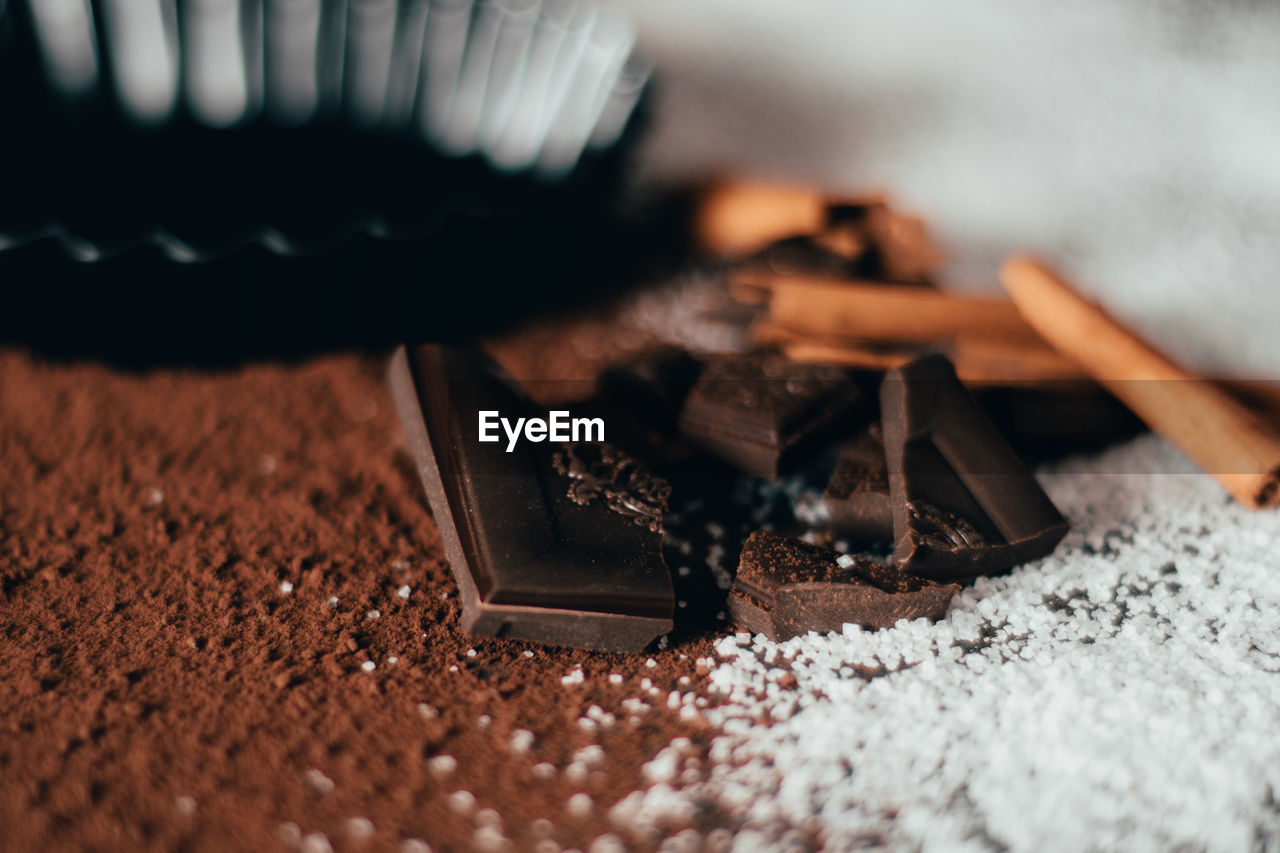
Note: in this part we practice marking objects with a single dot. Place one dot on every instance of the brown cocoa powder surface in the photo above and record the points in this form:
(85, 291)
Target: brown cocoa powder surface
(149, 653)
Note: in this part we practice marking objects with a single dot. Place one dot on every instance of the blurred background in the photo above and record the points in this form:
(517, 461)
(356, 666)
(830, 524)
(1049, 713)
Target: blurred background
(1133, 142)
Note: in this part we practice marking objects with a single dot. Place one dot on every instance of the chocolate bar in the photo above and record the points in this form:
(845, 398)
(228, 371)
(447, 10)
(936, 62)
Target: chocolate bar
(552, 542)
(762, 413)
(964, 503)
(786, 587)
(857, 495)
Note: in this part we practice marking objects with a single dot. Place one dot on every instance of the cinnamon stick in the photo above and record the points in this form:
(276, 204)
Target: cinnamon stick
(845, 309)
(740, 217)
(977, 361)
(1219, 433)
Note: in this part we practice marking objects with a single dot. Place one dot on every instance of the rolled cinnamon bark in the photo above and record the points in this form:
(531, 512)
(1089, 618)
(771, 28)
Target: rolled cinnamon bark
(876, 312)
(739, 217)
(978, 360)
(1223, 437)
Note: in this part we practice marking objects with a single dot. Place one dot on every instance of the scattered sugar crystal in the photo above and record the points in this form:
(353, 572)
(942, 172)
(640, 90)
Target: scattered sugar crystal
(333, 601)
(286, 587)
(414, 845)
(462, 802)
(358, 828)
(471, 653)
(368, 666)
(579, 805)
(489, 839)
(527, 653)
(488, 817)
(521, 741)
(441, 765)
(483, 721)
(541, 827)
(651, 663)
(400, 565)
(403, 592)
(315, 842)
(393, 659)
(185, 805)
(615, 678)
(1119, 694)
(683, 571)
(318, 781)
(607, 843)
(574, 677)
(453, 667)
(427, 712)
(591, 755)
(546, 845)
(153, 496)
(844, 561)
(289, 833)
(543, 770)
(373, 614)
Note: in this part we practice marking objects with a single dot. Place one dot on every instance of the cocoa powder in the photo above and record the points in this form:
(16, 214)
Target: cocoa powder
(196, 570)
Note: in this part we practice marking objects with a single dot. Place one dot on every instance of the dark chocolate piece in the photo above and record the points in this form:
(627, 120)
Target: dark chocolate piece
(807, 255)
(857, 496)
(964, 503)
(550, 542)
(653, 386)
(1048, 422)
(786, 587)
(762, 413)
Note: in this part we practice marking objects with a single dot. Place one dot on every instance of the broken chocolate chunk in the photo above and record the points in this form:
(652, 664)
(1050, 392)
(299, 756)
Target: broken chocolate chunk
(654, 385)
(964, 503)
(857, 496)
(555, 543)
(786, 587)
(762, 413)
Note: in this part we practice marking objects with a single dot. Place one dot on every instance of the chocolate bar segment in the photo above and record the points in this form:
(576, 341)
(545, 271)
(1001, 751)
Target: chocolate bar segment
(786, 587)
(964, 503)
(553, 543)
(857, 495)
(762, 413)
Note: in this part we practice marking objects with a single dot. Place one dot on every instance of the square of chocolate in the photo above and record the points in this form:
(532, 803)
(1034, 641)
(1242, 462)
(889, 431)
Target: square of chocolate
(964, 503)
(786, 587)
(762, 413)
(553, 542)
(857, 495)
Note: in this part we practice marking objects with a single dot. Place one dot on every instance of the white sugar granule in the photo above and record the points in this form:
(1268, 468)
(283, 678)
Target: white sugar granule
(521, 741)
(318, 781)
(579, 805)
(315, 842)
(441, 765)
(462, 802)
(359, 828)
(1123, 693)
